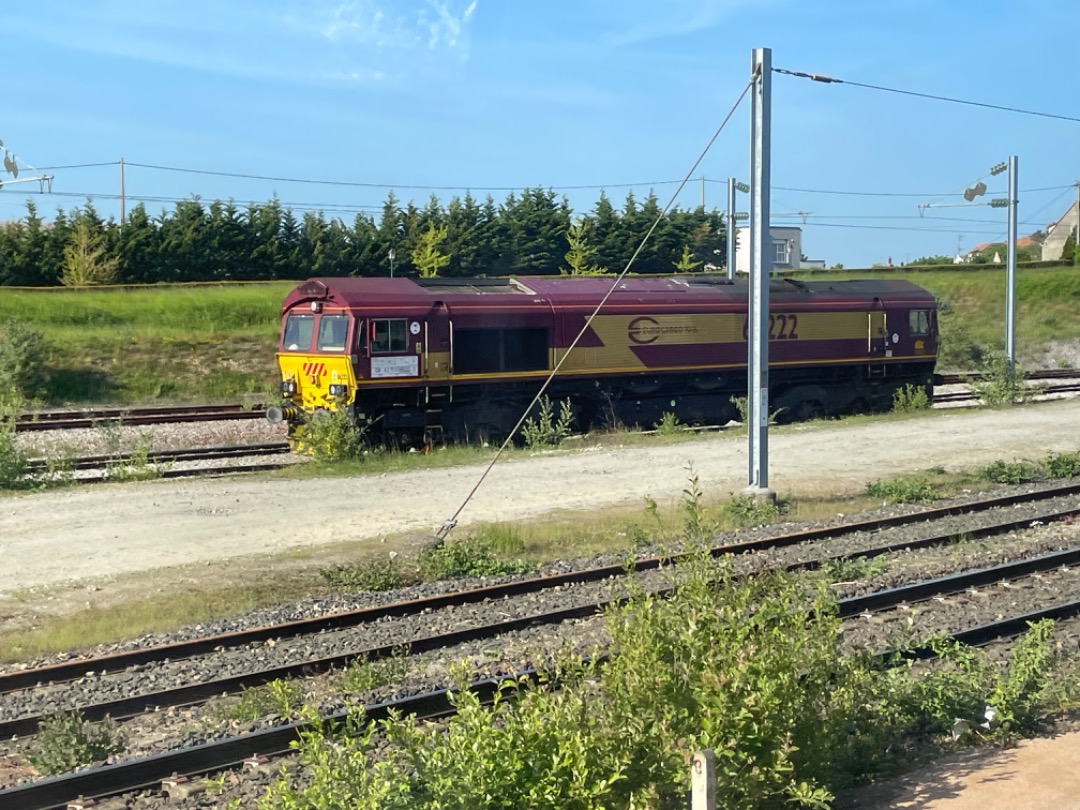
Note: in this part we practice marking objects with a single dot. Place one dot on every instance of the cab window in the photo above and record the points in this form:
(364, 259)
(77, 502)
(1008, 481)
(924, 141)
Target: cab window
(388, 336)
(332, 332)
(919, 321)
(298, 330)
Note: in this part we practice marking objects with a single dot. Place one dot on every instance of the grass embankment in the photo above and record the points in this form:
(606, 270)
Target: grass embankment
(973, 312)
(204, 344)
(217, 343)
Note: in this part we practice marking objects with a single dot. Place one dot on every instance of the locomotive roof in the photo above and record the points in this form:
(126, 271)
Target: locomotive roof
(586, 291)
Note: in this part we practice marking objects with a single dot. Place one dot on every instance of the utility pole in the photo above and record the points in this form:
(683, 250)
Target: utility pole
(702, 192)
(1077, 213)
(1010, 293)
(760, 270)
(122, 200)
(731, 229)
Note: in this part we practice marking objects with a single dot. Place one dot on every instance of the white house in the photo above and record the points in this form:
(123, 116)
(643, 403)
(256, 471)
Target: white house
(785, 253)
(1058, 233)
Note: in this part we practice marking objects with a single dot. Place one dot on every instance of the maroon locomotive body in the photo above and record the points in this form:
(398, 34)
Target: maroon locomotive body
(461, 358)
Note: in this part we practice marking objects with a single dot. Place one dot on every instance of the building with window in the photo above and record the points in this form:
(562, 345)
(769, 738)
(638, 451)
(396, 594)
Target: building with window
(1058, 234)
(786, 249)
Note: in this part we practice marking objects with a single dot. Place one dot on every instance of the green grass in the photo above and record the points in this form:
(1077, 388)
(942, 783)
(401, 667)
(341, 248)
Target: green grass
(144, 345)
(974, 316)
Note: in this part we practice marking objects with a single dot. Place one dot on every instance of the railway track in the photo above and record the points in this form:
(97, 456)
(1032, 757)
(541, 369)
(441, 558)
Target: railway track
(160, 459)
(251, 749)
(70, 420)
(89, 418)
(345, 649)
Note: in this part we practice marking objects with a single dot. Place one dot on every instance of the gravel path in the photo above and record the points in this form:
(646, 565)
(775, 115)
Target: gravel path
(52, 537)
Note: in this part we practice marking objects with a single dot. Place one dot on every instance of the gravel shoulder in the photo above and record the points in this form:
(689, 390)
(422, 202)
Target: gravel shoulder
(76, 534)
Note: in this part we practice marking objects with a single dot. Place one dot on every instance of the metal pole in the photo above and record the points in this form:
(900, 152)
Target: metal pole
(1010, 293)
(122, 200)
(731, 229)
(760, 269)
(702, 192)
(1077, 215)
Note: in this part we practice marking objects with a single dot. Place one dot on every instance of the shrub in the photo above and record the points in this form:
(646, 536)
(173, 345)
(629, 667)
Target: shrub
(471, 557)
(910, 398)
(746, 510)
(67, 741)
(1000, 383)
(366, 575)
(14, 462)
(1063, 465)
(903, 490)
(546, 430)
(1011, 472)
(23, 354)
(669, 425)
(333, 436)
(284, 698)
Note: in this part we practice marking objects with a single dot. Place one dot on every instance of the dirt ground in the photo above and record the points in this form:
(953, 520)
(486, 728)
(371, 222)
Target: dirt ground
(89, 534)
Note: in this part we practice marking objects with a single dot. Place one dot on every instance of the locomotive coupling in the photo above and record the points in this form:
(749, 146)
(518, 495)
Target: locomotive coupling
(276, 414)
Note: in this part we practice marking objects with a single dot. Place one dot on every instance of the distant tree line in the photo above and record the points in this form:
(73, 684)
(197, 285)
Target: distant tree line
(531, 233)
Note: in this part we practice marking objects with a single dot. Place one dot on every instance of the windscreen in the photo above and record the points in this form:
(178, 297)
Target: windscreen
(298, 330)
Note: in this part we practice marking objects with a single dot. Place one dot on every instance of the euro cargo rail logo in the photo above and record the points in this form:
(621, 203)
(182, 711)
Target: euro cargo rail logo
(314, 369)
(646, 330)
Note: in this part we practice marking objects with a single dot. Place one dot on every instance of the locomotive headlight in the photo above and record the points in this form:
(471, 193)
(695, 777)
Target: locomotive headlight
(288, 387)
(339, 390)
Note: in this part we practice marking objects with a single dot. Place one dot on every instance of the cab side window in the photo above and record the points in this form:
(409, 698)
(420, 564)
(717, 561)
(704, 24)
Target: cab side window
(388, 336)
(919, 322)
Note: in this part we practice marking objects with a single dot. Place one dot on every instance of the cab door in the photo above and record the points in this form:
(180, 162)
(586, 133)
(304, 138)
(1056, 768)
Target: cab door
(877, 331)
(437, 344)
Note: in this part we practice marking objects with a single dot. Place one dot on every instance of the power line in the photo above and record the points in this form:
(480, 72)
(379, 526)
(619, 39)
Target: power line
(820, 77)
(391, 186)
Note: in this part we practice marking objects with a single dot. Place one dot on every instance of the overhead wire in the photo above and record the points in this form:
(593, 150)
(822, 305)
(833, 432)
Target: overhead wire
(451, 522)
(820, 77)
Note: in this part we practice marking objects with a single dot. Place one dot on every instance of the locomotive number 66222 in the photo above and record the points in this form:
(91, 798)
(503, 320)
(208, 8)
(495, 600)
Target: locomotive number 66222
(782, 326)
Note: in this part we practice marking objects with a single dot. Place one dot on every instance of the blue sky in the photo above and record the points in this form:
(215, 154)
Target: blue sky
(441, 96)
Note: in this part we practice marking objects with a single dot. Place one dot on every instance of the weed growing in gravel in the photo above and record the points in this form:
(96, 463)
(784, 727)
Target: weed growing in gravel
(331, 437)
(366, 575)
(1063, 465)
(910, 398)
(745, 511)
(853, 569)
(1011, 472)
(363, 676)
(470, 557)
(67, 741)
(547, 430)
(903, 490)
(13, 461)
(1001, 384)
(284, 698)
(669, 425)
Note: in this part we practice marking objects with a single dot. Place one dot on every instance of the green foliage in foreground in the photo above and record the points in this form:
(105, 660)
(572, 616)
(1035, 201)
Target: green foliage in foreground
(67, 741)
(751, 669)
(904, 490)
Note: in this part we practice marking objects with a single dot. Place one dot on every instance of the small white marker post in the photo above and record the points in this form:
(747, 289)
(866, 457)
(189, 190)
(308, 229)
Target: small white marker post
(703, 781)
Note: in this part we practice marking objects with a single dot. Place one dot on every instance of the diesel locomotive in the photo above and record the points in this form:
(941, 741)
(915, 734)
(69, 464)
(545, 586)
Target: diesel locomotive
(427, 360)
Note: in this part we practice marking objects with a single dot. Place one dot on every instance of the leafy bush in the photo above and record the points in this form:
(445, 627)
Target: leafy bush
(1000, 383)
(852, 569)
(366, 575)
(746, 510)
(284, 698)
(546, 430)
(23, 355)
(333, 436)
(910, 398)
(67, 741)
(1063, 465)
(669, 425)
(1011, 472)
(363, 675)
(14, 462)
(471, 557)
(903, 490)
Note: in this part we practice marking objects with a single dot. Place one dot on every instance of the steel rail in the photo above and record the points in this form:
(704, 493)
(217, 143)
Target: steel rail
(147, 772)
(70, 420)
(204, 690)
(166, 456)
(77, 668)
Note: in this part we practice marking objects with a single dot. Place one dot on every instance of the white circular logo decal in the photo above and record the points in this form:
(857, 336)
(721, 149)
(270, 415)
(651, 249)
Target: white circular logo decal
(414, 327)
